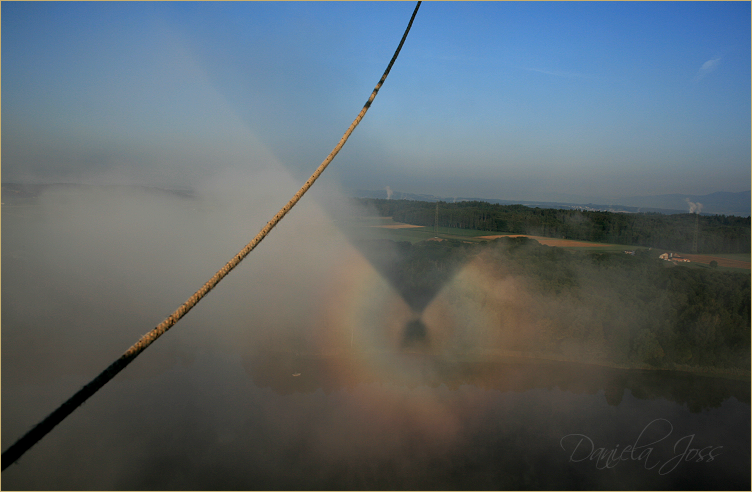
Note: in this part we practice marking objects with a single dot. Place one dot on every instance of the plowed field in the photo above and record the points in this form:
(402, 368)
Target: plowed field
(568, 243)
(562, 243)
(721, 261)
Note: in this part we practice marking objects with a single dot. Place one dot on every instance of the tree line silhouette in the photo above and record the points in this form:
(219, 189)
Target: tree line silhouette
(688, 233)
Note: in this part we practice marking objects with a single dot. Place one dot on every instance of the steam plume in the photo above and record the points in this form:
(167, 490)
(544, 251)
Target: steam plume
(694, 208)
(389, 193)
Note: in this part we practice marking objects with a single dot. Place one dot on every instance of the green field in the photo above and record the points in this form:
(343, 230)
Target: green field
(376, 227)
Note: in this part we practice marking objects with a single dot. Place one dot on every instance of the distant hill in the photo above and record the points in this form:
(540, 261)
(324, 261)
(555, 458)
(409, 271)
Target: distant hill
(17, 193)
(719, 203)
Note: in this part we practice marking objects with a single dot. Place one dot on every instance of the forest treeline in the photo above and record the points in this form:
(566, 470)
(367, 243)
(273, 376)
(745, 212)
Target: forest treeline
(713, 234)
(633, 310)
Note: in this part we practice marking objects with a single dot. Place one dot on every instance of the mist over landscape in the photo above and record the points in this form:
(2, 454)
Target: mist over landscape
(533, 253)
(89, 269)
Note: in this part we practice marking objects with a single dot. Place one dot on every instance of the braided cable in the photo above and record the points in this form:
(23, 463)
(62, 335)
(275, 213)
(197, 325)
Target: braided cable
(15, 451)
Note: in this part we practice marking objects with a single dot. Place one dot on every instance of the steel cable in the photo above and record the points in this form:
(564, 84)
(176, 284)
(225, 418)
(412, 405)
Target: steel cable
(15, 451)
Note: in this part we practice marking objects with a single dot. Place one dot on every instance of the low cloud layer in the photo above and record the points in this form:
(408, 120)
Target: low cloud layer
(213, 404)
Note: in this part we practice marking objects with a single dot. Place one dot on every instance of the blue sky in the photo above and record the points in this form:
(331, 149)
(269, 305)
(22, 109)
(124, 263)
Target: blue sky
(528, 101)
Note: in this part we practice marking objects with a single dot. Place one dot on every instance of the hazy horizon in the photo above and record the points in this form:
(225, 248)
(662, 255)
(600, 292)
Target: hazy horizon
(516, 101)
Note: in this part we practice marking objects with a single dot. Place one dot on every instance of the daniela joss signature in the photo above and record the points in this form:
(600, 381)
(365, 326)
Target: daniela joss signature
(581, 448)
